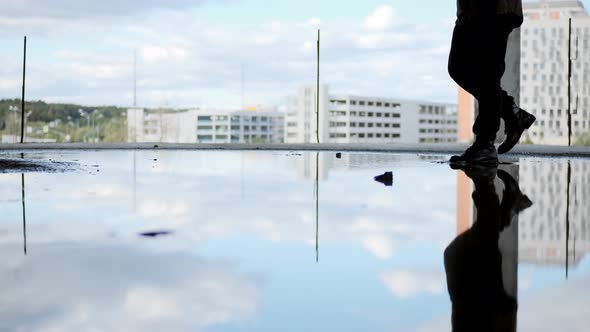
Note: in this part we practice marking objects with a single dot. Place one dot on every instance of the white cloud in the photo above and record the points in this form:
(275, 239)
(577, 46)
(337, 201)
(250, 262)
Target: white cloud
(86, 8)
(383, 18)
(407, 284)
(186, 60)
(120, 289)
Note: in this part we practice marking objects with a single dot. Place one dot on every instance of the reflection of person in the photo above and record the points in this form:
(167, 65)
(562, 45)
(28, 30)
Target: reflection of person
(473, 261)
(476, 63)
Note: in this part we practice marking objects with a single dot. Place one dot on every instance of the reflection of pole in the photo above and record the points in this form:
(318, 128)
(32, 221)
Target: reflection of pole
(242, 175)
(569, 85)
(317, 207)
(24, 214)
(567, 220)
(134, 181)
(22, 155)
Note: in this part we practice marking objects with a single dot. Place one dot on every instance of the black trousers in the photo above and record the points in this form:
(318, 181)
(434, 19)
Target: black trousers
(476, 63)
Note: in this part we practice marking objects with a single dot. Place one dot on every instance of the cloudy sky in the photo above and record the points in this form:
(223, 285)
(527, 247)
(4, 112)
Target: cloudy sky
(191, 53)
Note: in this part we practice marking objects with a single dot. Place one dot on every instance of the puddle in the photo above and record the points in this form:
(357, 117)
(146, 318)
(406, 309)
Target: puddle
(264, 241)
(13, 165)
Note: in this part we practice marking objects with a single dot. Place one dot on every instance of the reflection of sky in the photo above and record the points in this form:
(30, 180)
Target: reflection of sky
(243, 249)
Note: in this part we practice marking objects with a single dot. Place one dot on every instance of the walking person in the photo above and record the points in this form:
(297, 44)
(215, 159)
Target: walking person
(476, 63)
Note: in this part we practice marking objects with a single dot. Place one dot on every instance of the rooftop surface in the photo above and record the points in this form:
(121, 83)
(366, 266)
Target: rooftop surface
(520, 150)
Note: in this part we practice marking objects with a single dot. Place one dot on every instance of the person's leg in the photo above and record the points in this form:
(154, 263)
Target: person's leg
(463, 58)
(493, 45)
(472, 64)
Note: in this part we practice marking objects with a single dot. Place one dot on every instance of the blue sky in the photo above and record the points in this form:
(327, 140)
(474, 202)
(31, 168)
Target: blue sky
(191, 53)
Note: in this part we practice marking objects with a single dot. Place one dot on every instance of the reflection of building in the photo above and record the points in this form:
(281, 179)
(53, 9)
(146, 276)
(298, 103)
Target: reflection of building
(356, 119)
(205, 126)
(543, 231)
(544, 69)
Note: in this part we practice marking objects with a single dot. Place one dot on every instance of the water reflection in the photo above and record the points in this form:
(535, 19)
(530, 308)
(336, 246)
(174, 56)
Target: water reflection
(481, 273)
(242, 254)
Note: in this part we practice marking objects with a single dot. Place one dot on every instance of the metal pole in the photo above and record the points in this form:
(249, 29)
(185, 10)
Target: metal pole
(22, 124)
(318, 92)
(135, 78)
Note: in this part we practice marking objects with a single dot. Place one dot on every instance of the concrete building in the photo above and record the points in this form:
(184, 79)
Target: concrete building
(361, 119)
(264, 126)
(205, 126)
(544, 69)
(163, 126)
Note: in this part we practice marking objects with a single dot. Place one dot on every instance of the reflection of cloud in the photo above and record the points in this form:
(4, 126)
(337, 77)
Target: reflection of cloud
(405, 284)
(380, 246)
(202, 203)
(563, 308)
(74, 288)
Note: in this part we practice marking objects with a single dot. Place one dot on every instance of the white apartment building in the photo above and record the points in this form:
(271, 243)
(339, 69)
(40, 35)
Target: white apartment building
(544, 69)
(239, 126)
(358, 119)
(205, 126)
(162, 126)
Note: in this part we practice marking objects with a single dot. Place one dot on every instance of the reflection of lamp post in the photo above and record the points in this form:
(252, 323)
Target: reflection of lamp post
(14, 109)
(96, 125)
(25, 120)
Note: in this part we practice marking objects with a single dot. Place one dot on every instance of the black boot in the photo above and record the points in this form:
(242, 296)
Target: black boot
(513, 201)
(482, 152)
(515, 126)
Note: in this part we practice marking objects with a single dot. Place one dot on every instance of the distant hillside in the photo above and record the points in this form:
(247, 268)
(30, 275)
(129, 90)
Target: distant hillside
(46, 112)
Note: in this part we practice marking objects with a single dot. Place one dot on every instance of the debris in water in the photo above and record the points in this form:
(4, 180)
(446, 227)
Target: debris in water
(386, 178)
(339, 155)
(155, 234)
